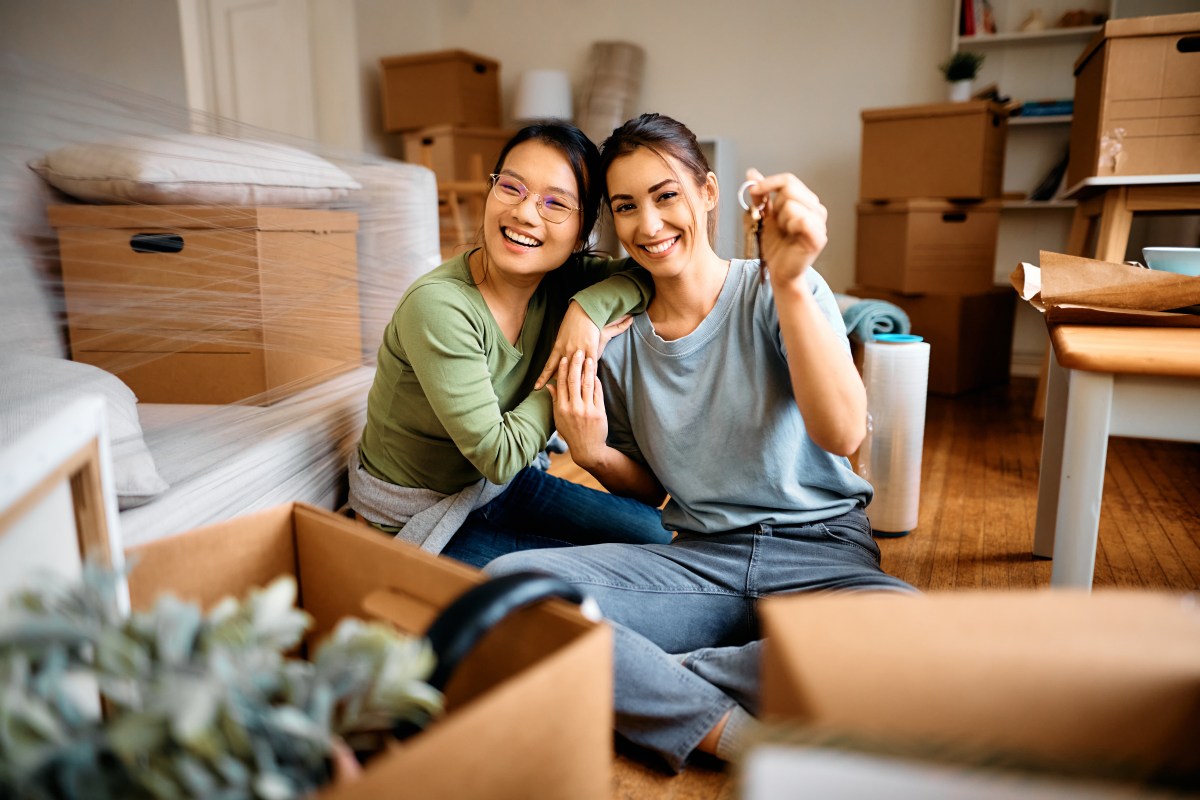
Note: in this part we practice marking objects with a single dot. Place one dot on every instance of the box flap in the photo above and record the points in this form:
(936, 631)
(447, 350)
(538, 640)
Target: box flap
(923, 204)
(435, 56)
(1111, 675)
(172, 218)
(1161, 25)
(216, 561)
(933, 110)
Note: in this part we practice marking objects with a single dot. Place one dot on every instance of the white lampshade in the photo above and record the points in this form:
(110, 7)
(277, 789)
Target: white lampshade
(543, 94)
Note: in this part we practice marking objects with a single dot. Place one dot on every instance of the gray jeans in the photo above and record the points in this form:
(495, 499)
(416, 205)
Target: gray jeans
(684, 615)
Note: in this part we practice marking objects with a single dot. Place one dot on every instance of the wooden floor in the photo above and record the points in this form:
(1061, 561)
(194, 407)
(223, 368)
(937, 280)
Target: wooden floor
(978, 499)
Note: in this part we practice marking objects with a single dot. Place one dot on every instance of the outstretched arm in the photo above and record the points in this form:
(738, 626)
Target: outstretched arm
(828, 390)
(581, 420)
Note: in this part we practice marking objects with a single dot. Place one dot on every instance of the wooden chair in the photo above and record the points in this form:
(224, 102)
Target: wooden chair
(460, 202)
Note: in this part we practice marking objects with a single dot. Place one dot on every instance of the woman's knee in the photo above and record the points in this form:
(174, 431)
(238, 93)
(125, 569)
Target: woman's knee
(519, 561)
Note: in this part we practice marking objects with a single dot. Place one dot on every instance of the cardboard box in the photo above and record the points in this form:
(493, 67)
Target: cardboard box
(210, 304)
(1110, 679)
(528, 711)
(945, 150)
(1137, 99)
(447, 87)
(927, 245)
(969, 335)
(456, 154)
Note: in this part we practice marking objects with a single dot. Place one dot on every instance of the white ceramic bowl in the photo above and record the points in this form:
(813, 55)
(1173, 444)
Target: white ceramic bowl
(1184, 260)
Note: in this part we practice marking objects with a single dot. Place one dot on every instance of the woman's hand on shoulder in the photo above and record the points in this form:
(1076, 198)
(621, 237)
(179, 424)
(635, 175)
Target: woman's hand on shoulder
(794, 231)
(578, 333)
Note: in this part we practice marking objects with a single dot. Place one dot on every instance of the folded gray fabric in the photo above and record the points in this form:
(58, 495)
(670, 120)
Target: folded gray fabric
(865, 319)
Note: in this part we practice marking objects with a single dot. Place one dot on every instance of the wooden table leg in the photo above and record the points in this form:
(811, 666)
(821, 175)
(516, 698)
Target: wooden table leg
(1115, 222)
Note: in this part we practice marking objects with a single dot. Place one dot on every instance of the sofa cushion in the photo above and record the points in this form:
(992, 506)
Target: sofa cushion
(31, 387)
(184, 168)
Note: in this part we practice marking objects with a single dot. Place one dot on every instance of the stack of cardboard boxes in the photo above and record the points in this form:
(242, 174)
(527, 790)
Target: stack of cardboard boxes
(927, 222)
(446, 107)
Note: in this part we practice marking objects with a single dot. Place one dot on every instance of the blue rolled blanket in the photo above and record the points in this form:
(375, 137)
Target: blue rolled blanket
(865, 319)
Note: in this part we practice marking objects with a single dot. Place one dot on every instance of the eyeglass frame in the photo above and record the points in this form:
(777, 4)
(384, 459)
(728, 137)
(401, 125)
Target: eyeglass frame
(539, 204)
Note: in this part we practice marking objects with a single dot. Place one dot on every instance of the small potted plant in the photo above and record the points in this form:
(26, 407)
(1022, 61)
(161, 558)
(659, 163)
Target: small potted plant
(960, 70)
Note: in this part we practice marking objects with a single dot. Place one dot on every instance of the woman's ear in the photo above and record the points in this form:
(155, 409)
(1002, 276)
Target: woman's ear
(712, 191)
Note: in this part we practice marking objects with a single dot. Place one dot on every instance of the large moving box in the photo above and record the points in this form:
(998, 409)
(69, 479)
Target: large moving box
(1108, 682)
(969, 335)
(945, 150)
(529, 711)
(917, 246)
(1137, 99)
(456, 154)
(447, 87)
(210, 304)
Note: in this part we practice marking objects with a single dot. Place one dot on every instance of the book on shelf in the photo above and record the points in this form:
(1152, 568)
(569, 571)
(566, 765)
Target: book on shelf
(1047, 108)
(1052, 184)
(977, 18)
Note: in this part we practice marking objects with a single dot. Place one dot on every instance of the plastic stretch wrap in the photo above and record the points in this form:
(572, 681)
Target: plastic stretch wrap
(263, 274)
(896, 374)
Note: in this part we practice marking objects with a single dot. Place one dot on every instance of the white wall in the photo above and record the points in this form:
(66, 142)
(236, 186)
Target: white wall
(784, 80)
(131, 43)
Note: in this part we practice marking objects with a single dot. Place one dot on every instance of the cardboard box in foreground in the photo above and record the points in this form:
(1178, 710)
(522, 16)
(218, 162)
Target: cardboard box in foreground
(1111, 678)
(529, 712)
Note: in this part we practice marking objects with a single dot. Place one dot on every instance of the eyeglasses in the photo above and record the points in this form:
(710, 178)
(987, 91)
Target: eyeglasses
(551, 207)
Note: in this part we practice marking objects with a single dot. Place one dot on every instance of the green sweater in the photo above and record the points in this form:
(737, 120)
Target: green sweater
(453, 400)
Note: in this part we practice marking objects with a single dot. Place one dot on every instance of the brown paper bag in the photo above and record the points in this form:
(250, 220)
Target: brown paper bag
(1070, 289)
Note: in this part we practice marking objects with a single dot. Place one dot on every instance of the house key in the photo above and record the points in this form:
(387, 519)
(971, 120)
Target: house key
(757, 218)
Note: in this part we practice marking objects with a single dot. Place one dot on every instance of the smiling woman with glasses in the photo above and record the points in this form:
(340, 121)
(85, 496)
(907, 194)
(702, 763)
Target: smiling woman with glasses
(456, 425)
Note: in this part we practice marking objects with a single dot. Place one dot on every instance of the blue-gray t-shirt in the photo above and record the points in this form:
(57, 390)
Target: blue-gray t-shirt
(713, 415)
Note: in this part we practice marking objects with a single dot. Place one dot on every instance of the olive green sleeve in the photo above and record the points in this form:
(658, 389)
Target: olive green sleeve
(445, 343)
(608, 289)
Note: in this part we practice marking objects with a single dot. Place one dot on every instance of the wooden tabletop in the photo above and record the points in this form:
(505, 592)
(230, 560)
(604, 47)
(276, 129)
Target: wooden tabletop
(1127, 349)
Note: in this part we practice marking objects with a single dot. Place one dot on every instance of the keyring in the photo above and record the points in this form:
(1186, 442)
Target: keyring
(741, 194)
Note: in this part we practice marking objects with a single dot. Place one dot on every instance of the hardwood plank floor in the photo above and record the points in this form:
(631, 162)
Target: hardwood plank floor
(978, 502)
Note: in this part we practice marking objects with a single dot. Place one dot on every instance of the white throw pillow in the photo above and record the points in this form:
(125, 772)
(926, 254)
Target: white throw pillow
(31, 387)
(193, 168)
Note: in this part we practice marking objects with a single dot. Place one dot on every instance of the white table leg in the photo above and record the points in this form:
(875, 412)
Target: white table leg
(1050, 475)
(1084, 452)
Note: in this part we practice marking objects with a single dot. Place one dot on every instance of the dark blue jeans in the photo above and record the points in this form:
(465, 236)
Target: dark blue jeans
(539, 510)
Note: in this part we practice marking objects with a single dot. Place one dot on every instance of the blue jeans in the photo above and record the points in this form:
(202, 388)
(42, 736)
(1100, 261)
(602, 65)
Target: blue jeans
(696, 598)
(538, 510)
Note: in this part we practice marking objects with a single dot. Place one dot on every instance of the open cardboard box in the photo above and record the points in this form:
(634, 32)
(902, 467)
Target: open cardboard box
(528, 712)
(1051, 679)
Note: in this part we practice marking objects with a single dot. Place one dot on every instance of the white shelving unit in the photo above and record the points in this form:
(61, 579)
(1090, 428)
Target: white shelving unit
(1030, 66)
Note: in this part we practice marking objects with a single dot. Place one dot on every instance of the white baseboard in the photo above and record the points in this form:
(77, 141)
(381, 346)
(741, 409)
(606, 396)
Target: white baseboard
(1026, 365)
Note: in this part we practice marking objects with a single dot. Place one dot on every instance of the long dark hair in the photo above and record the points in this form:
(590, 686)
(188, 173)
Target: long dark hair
(664, 137)
(581, 154)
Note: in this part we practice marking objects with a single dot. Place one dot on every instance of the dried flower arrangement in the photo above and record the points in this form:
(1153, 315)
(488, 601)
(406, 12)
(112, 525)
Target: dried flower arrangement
(197, 705)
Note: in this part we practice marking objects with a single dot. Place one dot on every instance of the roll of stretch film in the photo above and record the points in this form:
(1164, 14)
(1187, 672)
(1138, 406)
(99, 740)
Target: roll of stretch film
(896, 374)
